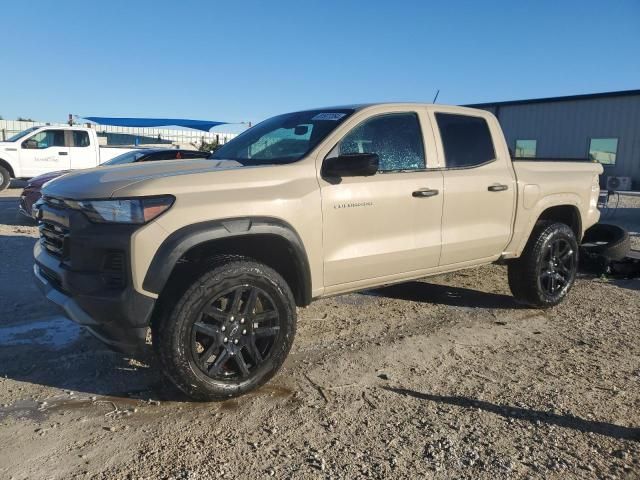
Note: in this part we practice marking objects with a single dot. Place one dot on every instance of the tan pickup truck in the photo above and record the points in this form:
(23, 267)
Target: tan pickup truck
(215, 255)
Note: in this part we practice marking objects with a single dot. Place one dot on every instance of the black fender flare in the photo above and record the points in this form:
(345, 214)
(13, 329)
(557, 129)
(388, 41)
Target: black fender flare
(184, 239)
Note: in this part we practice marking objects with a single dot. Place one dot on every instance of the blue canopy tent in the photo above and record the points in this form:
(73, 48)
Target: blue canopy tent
(204, 125)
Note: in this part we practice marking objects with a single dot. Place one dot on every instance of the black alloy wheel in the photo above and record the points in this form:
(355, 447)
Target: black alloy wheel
(235, 333)
(557, 267)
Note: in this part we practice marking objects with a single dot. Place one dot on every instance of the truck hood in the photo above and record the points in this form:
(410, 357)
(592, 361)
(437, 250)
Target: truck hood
(44, 178)
(103, 181)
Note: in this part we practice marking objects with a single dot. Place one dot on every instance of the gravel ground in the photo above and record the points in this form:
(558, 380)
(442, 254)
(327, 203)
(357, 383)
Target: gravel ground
(442, 378)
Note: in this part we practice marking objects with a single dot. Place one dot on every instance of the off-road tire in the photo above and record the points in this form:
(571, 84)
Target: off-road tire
(524, 273)
(5, 178)
(172, 333)
(608, 241)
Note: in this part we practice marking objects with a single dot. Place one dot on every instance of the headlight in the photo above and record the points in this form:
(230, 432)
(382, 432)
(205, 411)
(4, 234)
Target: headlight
(125, 210)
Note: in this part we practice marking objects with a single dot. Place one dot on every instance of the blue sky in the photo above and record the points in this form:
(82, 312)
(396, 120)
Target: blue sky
(247, 60)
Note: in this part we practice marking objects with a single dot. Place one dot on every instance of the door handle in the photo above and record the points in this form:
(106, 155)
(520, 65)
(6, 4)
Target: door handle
(63, 153)
(497, 187)
(425, 192)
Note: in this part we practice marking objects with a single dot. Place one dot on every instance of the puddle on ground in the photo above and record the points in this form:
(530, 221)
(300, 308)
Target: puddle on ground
(38, 411)
(55, 332)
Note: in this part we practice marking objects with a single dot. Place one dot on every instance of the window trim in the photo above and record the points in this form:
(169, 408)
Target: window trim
(22, 144)
(385, 114)
(444, 155)
(72, 143)
(515, 147)
(590, 139)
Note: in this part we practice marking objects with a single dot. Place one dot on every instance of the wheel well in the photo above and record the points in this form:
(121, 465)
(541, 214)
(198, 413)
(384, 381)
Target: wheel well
(272, 250)
(5, 164)
(567, 214)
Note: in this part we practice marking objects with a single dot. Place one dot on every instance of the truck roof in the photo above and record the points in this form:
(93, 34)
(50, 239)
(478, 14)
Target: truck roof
(64, 127)
(362, 106)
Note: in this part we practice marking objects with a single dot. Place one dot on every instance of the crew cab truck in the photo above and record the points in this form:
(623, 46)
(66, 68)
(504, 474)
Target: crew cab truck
(39, 150)
(215, 256)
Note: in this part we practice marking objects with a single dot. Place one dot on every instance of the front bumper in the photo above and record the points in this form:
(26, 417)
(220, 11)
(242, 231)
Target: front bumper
(81, 281)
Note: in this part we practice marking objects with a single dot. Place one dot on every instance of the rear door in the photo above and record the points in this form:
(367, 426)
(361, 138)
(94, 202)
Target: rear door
(389, 223)
(479, 189)
(45, 151)
(83, 154)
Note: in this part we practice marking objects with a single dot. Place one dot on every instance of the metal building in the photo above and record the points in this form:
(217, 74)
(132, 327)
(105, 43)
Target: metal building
(601, 126)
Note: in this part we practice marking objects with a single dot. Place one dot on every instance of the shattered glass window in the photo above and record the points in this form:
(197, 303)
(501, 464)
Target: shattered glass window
(396, 138)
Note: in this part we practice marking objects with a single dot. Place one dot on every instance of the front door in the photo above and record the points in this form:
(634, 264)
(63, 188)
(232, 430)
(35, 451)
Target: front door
(385, 224)
(46, 151)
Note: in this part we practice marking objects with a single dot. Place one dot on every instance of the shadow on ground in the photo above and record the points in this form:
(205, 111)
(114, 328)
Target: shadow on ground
(529, 415)
(9, 209)
(446, 295)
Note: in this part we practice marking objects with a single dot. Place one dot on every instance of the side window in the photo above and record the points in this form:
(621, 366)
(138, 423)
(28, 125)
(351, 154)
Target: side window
(45, 139)
(80, 139)
(396, 138)
(466, 140)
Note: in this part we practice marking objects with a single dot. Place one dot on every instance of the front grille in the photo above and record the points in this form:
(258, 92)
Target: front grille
(53, 238)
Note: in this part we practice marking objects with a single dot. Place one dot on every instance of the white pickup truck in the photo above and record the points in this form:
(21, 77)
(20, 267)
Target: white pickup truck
(39, 150)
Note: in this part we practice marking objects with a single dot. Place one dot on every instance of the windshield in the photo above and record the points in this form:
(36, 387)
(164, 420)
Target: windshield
(282, 139)
(21, 134)
(128, 157)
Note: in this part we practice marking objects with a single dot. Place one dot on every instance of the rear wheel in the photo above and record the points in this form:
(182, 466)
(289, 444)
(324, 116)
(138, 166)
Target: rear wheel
(546, 271)
(229, 333)
(5, 178)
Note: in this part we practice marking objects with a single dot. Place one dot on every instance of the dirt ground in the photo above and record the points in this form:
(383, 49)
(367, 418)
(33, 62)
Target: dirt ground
(442, 378)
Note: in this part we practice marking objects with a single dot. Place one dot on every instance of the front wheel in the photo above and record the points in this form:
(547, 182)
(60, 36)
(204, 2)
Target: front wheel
(546, 271)
(5, 178)
(229, 333)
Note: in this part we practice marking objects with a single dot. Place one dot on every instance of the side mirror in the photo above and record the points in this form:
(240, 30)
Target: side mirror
(30, 144)
(351, 165)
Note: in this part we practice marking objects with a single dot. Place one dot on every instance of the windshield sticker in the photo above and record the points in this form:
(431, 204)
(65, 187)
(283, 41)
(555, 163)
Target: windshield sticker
(329, 116)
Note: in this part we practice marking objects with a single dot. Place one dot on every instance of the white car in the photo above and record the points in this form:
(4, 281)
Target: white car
(39, 150)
